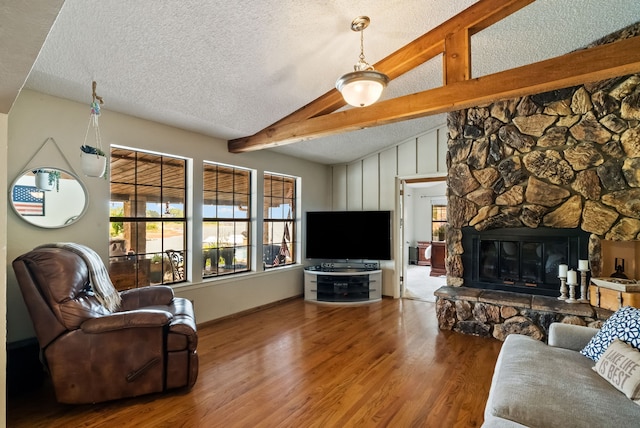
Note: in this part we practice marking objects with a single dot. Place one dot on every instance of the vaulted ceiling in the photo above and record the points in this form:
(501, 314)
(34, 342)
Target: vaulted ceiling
(231, 69)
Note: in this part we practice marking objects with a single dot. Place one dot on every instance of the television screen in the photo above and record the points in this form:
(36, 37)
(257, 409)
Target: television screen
(352, 235)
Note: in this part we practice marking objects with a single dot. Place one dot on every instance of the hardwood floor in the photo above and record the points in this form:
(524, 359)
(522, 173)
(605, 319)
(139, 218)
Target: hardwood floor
(301, 364)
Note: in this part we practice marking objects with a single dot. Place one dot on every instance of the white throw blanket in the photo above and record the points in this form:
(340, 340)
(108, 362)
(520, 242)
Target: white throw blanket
(99, 279)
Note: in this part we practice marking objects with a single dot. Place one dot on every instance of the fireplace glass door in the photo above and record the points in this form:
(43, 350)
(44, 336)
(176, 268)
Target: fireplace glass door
(522, 263)
(522, 260)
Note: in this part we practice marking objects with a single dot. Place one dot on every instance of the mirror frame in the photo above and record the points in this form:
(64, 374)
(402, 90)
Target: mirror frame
(68, 222)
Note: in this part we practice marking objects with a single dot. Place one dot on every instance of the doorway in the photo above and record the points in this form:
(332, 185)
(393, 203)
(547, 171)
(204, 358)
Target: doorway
(423, 205)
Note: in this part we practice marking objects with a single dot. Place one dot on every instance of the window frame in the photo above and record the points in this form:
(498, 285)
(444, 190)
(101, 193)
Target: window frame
(437, 224)
(247, 195)
(172, 261)
(272, 244)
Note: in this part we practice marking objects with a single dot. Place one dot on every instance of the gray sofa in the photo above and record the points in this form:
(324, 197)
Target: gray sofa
(540, 385)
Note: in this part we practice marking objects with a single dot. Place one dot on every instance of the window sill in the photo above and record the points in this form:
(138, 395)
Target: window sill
(226, 279)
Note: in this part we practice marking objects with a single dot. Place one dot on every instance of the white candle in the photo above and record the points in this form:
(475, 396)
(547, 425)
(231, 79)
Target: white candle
(583, 264)
(562, 271)
(572, 277)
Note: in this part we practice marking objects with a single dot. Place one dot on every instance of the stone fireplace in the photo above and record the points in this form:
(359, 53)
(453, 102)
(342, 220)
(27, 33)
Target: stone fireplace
(562, 163)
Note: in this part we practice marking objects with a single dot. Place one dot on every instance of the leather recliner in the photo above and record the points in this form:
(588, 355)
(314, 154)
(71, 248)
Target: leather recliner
(147, 345)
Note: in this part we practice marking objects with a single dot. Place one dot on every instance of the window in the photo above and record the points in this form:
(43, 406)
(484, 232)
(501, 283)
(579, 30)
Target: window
(226, 220)
(279, 220)
(438, 222)
(147, 219)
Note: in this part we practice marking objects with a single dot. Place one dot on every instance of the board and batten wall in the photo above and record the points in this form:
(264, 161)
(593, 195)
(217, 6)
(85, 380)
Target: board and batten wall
(372, 183)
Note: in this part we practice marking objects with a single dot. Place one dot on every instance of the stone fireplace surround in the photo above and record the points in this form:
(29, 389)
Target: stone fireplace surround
(566, 159)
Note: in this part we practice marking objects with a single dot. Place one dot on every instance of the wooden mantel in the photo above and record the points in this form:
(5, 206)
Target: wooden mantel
(459, 90)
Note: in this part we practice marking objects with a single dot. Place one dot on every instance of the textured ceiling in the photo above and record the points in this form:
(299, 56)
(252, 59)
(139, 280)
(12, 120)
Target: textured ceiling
(229, 69)
(23, 28)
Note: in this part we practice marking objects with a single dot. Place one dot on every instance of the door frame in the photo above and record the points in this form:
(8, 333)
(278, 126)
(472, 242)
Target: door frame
(402, 246)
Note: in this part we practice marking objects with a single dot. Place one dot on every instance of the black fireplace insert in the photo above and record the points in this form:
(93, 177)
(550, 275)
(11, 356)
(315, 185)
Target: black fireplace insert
(522, 260)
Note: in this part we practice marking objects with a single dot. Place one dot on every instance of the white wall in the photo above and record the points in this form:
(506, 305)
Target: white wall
(35, 117)
(371, 184)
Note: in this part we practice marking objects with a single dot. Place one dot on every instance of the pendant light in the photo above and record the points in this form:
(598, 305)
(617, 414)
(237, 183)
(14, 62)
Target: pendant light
(364, 85)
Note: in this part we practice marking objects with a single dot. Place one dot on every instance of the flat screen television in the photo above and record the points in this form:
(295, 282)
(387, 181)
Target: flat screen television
(349, 235)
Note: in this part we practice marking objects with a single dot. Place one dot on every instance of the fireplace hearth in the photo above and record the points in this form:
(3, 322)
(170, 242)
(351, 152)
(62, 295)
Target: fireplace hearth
(522, 260)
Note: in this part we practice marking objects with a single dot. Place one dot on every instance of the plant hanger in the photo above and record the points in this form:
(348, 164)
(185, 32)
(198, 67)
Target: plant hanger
(96, 101)
(94, 159)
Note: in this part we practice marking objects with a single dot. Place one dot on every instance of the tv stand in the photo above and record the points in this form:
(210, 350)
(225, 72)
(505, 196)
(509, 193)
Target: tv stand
(343, 284)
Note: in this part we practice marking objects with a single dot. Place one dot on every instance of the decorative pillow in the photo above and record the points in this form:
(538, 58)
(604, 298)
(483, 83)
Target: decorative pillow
(620, 366)
(624, 324)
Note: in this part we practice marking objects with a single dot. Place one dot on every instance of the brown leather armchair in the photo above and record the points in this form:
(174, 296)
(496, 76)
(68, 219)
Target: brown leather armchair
(148, 345)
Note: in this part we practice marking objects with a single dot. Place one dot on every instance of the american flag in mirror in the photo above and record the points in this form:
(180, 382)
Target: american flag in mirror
(28, 200)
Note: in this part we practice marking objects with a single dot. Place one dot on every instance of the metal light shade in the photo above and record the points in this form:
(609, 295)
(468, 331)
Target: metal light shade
(362, 88)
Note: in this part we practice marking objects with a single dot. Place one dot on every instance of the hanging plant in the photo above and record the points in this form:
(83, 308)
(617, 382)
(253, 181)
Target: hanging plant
(47, 179)
(92, 150)
(94, 159)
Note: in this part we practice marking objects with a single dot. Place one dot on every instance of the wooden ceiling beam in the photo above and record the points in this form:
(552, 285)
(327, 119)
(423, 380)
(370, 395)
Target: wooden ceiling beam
(431, 44)
(593, 64)
(470, 21)
(456, 65)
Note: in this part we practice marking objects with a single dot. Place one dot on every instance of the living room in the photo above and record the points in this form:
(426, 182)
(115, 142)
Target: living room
(368, 182)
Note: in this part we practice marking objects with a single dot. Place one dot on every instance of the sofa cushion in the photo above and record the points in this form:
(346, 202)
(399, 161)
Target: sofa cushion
(537, 385)
(570, 336)
(624, 324)
(620, 366)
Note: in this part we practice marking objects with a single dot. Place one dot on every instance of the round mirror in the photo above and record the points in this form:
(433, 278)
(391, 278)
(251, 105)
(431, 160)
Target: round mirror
(48, 197)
